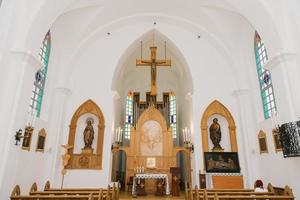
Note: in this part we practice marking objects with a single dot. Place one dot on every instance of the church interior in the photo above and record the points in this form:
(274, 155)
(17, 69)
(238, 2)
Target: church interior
(148, 99)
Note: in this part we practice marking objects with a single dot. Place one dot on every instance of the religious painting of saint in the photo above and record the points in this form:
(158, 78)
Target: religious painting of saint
(277, 140)
(41, 141)
(222, 162)
(262, 141)
(151, 139)
(27, 138)
(263, 145)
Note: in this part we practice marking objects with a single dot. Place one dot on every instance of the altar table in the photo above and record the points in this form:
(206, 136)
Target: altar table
(150, 176)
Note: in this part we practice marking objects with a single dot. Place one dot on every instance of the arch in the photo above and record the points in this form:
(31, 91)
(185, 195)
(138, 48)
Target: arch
(217, 107)
(88, 107)
(153, 114)
(119, 69)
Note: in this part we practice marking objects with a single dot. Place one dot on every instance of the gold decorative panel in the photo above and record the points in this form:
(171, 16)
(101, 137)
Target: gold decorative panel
(86, 160)
(150, 141)
(218, 108)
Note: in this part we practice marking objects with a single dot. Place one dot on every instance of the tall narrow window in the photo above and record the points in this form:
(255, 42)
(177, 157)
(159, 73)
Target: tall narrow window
(128, 114)
(173, 118)
(264, 77)
(40, 77)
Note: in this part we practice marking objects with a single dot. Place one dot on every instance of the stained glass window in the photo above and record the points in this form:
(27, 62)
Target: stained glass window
(173, 116)
(40, 77)
(264, 76)
(128, 115)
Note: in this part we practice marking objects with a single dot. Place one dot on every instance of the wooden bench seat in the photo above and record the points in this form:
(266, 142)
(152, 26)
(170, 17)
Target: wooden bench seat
(67, 194)
(218, 194)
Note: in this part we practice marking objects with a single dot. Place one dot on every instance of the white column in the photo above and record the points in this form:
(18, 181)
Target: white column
(285, 75)
(19, 78)
(246, 135)
(56, 134)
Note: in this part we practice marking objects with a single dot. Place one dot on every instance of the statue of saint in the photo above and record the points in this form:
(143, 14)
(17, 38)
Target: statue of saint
(88, 134)
(215, 134)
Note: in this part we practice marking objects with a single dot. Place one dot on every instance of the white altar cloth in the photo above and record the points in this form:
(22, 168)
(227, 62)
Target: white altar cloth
(150, 176)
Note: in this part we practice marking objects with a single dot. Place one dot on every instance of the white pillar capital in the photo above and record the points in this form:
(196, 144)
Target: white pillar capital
(27, 57)
(278, 59)
(63, 90)
(240, 92)
(116, 95)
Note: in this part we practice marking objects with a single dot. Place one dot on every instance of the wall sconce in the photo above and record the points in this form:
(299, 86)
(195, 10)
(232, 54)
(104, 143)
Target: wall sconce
(18, 136)
(186, 135)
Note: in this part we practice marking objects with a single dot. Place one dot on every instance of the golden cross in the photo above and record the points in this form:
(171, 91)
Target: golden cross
(153, 63)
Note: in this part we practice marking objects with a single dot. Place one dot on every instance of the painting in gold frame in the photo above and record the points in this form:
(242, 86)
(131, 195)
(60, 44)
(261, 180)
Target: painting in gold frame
(27, 138)
(262, 141)
(40, 146)
(277, 140)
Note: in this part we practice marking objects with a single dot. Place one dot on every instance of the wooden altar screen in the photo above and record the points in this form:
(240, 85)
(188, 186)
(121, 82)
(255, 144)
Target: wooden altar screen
(151, 146)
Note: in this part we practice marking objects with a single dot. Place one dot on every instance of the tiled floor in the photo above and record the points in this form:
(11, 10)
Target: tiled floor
(127, 196)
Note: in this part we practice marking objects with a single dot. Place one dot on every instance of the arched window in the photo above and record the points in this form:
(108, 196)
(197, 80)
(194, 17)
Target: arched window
(264, 77)
(40, 77)
(173, 116)
(128, 115)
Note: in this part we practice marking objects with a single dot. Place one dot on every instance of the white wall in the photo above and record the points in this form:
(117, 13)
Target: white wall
(84, 60)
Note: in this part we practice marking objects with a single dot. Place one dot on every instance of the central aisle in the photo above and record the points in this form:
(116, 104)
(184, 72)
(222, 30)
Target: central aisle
(127, 196)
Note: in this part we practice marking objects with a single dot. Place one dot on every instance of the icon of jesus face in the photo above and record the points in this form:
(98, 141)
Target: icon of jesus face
(151, 139)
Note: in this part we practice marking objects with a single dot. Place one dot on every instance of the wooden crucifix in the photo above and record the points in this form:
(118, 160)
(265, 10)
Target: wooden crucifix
(153, 63)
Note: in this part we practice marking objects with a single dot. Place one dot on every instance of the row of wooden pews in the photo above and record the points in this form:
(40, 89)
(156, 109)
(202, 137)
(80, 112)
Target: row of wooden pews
(240, 194)
(111, 193)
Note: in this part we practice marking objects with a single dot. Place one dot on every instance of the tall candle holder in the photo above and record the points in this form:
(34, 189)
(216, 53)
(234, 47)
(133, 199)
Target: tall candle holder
(187, 142)
(118, 138)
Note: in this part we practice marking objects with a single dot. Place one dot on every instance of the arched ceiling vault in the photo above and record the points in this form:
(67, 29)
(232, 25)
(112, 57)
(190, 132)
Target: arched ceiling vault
(102, 16)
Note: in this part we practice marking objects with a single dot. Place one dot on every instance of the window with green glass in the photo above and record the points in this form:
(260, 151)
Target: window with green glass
(40, 77)
(173, 116)
(264, 77)
(128, 115)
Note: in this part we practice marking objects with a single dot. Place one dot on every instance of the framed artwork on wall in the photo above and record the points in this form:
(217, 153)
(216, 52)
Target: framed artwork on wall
(27, 138)
(277, 140)
(40, 146)
(151, 163)
(262, 141)
(222, 162)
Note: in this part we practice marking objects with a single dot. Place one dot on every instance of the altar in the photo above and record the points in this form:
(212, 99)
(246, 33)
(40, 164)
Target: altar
(139, 177)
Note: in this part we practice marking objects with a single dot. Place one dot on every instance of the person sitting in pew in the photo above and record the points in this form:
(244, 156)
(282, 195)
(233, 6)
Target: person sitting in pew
(259, 186)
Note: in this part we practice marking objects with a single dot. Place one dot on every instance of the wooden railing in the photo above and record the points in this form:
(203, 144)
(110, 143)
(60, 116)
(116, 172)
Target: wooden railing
(111, 193)
(228, 194)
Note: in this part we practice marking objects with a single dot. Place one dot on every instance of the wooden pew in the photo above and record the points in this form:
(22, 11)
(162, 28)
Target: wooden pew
(216, 194)
(111, 193)
(16, 195)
